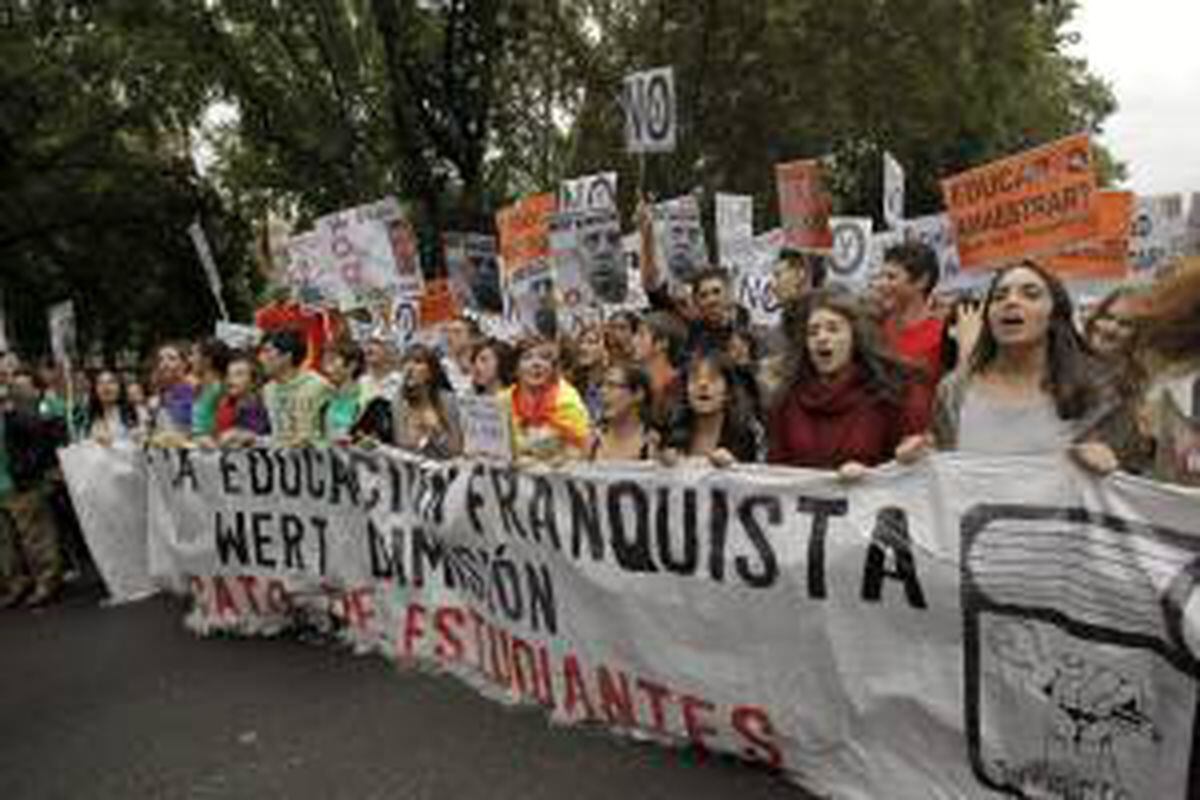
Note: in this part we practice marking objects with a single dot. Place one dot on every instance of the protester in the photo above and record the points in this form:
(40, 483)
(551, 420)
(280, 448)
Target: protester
(1110, 329)
(796, 274)
(491, 367)
(294, 397)
(135, 393)
(623, 434)
(111, 419)
(909, 275)
(618, 335)
(846, 403)
(210, 360)
(172, 421)
(378, 378)
(461, 335)
(549, 420)
(241, 417)
(426, 419)
(1030, 385)
(658, 349)
(343, 366)
(32, 557)
(716, 421)
(588, 365)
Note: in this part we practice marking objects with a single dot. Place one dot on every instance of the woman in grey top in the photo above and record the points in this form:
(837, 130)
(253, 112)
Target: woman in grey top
(1031, 385)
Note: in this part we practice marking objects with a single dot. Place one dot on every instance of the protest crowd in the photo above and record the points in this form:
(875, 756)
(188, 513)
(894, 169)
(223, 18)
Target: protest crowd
(850, 377)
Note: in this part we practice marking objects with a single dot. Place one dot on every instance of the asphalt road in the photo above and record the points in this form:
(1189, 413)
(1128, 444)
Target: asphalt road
(124, 703)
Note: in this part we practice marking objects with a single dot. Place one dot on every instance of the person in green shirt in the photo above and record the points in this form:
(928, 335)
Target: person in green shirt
(342, 365)
(211, 359)
(295, 397)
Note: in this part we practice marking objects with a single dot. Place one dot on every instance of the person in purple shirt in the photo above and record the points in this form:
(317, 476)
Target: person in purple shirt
(173, 417)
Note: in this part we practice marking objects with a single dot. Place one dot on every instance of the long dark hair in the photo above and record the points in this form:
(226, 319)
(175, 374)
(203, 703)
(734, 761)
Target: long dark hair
(95, 408)
(739, 426)
(886, 375)
(1070, 363)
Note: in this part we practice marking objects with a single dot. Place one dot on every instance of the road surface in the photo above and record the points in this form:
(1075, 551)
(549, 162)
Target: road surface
(124, 703)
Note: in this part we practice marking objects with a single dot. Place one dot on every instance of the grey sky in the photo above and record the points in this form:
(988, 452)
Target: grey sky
(1149, 51)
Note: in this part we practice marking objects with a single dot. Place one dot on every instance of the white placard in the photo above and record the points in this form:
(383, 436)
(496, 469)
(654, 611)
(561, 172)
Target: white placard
(650, 106)
(893, 192)
(487, 432)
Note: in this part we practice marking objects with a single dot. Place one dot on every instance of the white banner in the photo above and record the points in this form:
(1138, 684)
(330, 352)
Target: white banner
(360, 256)
(968, 627)
(893, 192)
(651, 119)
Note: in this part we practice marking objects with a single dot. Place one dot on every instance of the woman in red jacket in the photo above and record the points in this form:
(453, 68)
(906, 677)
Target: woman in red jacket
(845, 403)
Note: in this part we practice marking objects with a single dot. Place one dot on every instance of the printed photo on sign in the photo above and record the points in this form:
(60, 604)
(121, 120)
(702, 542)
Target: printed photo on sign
(805, 204)
(474, 271)
(589, 267)
(1077, 667)
(850, 259)
(532, 296)
(589, 193)
(371, 253)
(648, 99)
(735, 227)
(679, 236)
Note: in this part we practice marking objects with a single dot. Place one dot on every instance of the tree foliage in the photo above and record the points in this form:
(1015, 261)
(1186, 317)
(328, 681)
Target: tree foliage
(460, 106)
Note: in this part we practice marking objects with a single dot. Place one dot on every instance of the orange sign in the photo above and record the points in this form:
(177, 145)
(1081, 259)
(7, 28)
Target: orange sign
(1036, 203)
(524, 229)
(437, 303)
(1108, 256)
(804, 205)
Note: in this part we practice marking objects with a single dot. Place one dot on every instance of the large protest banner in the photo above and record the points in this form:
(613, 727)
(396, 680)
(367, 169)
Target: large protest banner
(1036, 203)
(804, 204)
(968, 627)
(1107, 257)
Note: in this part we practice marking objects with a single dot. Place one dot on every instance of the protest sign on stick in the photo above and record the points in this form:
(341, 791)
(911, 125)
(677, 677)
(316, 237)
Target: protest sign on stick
(1035, 203)
(851, 258)
(651, 119)
(1157, 233)
(735, 226)
(588, 193)
(370, 252)
(893, 191)
(754, 278)
(204, 252)
(679, 239)
(804, 205)
(524, 229)
(437, 304)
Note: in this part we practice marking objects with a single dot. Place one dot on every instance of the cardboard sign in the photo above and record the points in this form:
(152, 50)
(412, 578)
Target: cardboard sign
(437, 304)
(735, 226)
(804, 205)
(679, 238)
(893, 192)
(852, 257)
(588, 262)
(1107, 258)
(370, 253)
(524, 230)
(754, 278)
(1037, 203)
(487, 431)
(474, 272)
(63, 340)
(590, 193)
(651, 118)
(1157, 233)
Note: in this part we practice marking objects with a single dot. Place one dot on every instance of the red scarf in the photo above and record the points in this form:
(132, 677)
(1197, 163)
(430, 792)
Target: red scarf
(535, 409)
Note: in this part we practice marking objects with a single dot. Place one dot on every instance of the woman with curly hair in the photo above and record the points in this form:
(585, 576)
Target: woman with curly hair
(845, 403)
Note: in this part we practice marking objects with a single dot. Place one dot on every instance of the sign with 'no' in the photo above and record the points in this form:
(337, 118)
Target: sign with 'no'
(650, 112)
